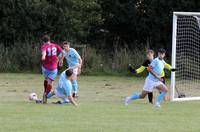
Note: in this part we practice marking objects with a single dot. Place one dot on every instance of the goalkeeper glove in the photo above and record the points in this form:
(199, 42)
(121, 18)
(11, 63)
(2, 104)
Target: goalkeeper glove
(131, 69)
(173, 69)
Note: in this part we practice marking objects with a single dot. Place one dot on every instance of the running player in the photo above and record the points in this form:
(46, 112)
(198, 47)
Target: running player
(153, 80)
(146, 63)
(49, 63)
(74, 61)
(64, 88)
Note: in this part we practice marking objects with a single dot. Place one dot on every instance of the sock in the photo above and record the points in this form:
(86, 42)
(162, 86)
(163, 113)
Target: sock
(161, 97)
(48, 89)
(75, 86)
(135, 96)
(45, 85)
(50, 94)
(150, 97)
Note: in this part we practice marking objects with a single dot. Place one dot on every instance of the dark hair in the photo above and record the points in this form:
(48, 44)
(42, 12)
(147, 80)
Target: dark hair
(68, 72)
(45, 38)
(161, 50)
(66, 42)
(150, 51)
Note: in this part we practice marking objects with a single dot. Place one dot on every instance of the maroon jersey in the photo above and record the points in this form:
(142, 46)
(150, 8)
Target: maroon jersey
(52, 50)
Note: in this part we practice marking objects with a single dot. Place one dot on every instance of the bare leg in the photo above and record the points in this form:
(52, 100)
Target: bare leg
(47, 90)
(136, 96)
(164, 91)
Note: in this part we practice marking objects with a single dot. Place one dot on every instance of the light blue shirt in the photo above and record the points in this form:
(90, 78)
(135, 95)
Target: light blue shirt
(157, 67)
(64, 86)
(72, 57)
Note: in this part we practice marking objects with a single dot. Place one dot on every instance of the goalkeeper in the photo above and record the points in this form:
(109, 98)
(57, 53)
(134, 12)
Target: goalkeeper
(146, 63)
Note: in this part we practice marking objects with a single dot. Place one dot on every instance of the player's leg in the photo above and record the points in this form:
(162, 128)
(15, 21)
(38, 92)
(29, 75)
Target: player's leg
(75, 83)
(50, 94)
(136, 96)
(50, 77)
(166, 97)
(45, 74)
(163, 89)
(148, 87)
(150, 97)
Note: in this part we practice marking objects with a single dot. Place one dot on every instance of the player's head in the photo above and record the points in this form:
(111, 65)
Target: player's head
(69, 74)
(150, 54)
(45, 39)
(161, 53)
(66, 45)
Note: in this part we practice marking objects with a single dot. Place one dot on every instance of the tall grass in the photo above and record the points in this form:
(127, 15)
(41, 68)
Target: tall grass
(26, 58)
(20, 58)
(112, 62)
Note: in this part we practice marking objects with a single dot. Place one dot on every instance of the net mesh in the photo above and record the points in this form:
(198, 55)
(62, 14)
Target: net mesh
(188, 56)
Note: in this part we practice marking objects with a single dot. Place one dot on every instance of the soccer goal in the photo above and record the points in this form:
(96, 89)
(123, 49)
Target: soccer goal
(185, 82)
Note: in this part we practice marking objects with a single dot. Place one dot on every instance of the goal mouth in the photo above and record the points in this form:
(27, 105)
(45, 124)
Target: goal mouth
(186, 56)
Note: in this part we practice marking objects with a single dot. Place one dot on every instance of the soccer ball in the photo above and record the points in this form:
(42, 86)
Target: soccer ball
(33, 97)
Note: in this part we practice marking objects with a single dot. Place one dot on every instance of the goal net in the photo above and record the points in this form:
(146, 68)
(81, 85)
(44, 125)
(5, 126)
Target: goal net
(185, 82)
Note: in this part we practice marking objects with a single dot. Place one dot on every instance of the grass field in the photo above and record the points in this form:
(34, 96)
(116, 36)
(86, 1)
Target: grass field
(101, 108)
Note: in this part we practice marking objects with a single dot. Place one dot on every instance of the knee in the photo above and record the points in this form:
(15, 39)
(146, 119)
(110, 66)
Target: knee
(165, 89)
(142, 96)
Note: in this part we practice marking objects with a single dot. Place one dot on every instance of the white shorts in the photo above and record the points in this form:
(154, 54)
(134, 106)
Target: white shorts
(149, 85)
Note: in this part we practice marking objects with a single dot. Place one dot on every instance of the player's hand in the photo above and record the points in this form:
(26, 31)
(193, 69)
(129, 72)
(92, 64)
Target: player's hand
(131, 69)
(79, 71)
(79, 66)
(173, 70)
(60, 64)
(43, 58)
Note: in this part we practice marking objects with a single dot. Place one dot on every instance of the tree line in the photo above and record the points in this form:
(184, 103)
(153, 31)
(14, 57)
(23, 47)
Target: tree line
(102, 24)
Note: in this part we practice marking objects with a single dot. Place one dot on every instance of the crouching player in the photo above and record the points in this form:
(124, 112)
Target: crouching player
(153, 80)
(74, 62)
(64, 88)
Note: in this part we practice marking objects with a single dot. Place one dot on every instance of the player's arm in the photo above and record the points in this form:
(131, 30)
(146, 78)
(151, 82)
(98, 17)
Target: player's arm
(71, 99)
(169, 67)
(149, 69)
(140, 69)
(137, 71)
(43, 55)
(80, 62)
(61, 56)
(79, 59)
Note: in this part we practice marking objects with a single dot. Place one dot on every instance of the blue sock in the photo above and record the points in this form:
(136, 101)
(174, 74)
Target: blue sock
(75, 86)
(161, 97)
(135, 96)
(50, 94)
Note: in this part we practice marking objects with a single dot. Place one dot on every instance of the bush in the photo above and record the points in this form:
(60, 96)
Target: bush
(23, 58)
(113, 62)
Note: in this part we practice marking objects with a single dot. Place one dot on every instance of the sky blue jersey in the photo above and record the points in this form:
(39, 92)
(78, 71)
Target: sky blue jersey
(157, 67)
(72, 57)
(64, 86)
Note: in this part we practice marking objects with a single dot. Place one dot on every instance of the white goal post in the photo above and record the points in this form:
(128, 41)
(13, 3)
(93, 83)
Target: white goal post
(185, 82)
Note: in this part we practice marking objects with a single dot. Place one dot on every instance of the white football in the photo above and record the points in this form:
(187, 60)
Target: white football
(33, 96)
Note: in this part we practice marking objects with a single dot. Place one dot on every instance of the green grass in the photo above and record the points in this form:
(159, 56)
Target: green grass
(101, 108)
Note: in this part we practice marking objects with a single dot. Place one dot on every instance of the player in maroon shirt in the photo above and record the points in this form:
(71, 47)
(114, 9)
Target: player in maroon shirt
(49, 58)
